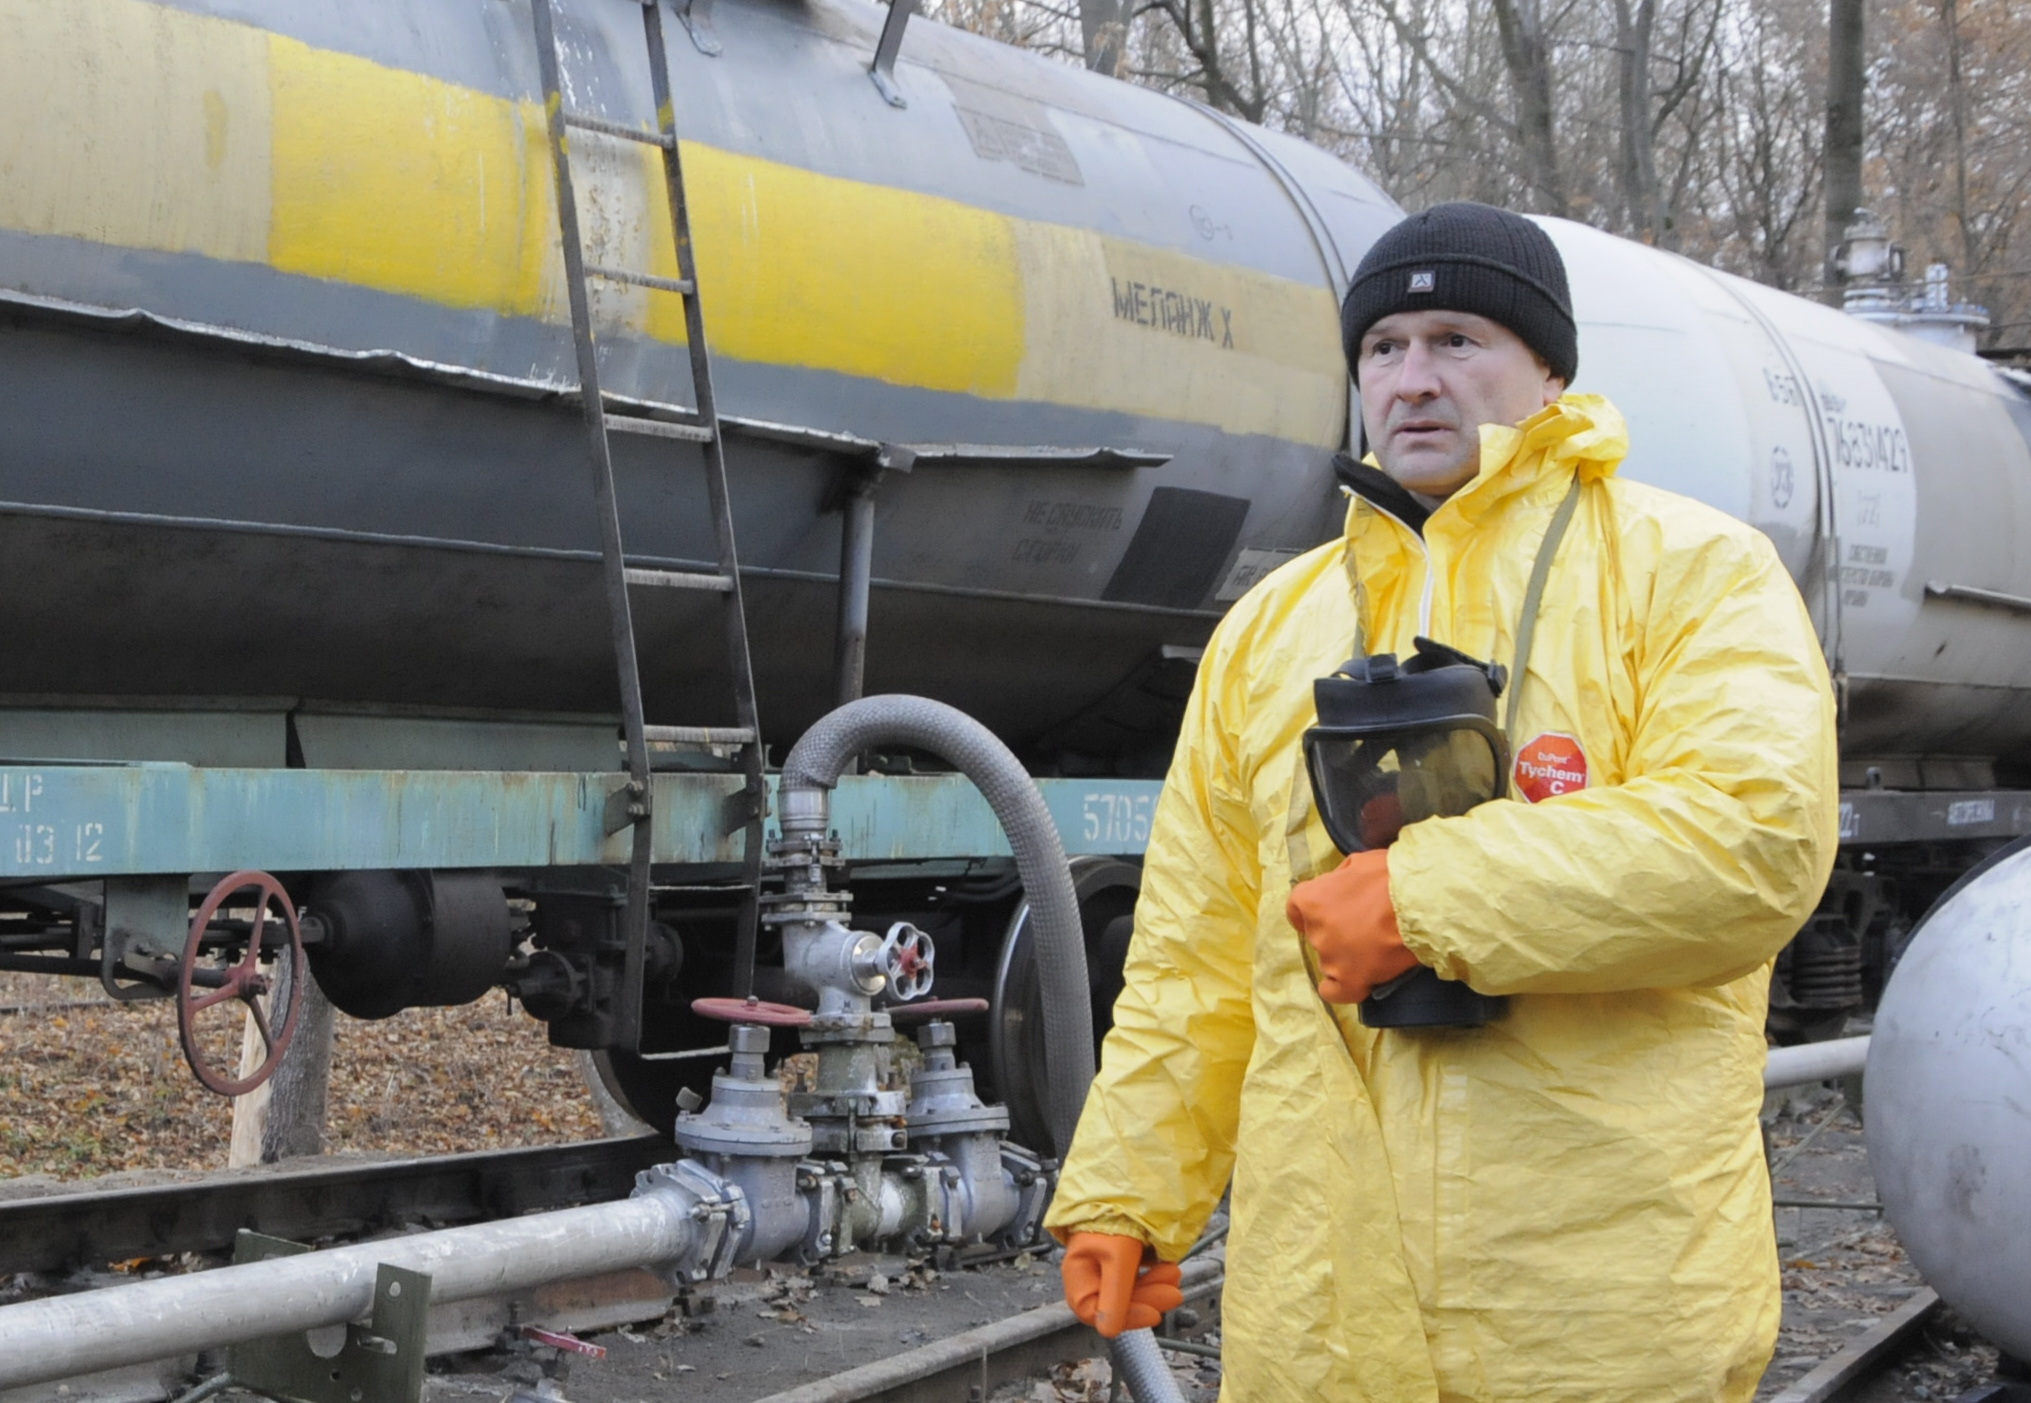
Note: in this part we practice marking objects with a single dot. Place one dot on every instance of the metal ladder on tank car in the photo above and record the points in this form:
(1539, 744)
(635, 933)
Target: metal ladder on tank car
(630, 805)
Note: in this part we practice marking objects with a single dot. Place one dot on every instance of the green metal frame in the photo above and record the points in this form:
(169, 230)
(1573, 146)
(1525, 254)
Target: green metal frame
(83, 821)
(380, 1362)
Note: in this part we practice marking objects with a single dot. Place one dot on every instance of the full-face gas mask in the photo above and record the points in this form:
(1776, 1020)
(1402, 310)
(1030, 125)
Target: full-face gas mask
(1397, 742)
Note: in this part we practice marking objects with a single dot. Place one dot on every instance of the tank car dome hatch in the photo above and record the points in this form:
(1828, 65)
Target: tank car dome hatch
(1949, 1088)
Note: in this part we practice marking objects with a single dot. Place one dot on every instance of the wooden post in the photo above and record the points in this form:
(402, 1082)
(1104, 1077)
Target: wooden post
(284, 1117)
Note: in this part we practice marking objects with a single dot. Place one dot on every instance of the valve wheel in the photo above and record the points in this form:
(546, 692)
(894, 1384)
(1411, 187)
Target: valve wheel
(909, 956)
(201, 987)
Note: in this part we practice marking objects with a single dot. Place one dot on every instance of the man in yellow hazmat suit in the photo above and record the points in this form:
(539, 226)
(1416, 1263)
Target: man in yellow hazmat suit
(1569, 1203)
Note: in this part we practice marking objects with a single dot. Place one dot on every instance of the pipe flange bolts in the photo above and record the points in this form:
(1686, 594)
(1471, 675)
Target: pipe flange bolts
(716, 1209)
(812, 906)
(803, 858)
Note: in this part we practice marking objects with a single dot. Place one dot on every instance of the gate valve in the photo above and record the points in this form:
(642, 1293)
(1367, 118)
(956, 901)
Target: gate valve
(907, 955)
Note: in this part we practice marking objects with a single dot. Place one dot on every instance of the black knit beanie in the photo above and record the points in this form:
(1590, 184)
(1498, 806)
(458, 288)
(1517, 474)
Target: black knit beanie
(1467, 257)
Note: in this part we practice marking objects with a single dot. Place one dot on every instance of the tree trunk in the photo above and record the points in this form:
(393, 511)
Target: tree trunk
(1102, 27)
(1843, 160)
(284, 1117)
(1641, 192)
(1970, 253)
(1527, 56)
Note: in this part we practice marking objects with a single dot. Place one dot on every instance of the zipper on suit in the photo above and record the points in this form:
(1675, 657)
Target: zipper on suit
(1424, 604)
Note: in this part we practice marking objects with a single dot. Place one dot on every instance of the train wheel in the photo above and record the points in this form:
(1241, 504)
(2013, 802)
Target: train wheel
(648, 1086)
(1107, 889)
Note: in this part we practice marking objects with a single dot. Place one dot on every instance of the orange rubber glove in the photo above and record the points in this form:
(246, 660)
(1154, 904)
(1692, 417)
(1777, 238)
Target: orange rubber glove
(1109, 1286)
(1347, 917)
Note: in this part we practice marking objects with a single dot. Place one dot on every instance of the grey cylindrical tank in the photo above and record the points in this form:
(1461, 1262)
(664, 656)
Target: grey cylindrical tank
(333, 460)
(1889, 471)
(1949, 1085)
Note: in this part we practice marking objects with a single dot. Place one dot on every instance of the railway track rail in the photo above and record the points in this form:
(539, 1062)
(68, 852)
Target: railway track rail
(67, 1231)
(1029, 1343)
(1844, 1376)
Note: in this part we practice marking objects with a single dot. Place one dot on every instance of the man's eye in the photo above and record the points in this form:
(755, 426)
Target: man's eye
(1381, 348)
(1458, 341)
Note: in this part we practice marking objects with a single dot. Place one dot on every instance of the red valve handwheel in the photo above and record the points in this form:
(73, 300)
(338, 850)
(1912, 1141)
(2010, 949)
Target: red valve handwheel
(243, 981)
(937, 1008)
(752, 1011)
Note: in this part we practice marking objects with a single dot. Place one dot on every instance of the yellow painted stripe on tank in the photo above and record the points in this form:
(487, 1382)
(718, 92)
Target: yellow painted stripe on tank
(134, 124)
(398, 181)
(1117, 324)
(798, 268)
(143, 126)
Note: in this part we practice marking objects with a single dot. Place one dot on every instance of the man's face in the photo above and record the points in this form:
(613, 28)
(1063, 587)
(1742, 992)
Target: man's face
(1430, 380)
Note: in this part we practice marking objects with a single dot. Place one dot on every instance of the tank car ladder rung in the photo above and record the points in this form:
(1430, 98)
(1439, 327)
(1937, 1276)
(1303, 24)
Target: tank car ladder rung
(700, 735)
(678, 579)
(658, 428)
(683, 287)
(619, 129)
(630, 806)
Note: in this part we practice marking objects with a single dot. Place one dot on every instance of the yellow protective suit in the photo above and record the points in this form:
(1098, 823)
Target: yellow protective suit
(1572, 1203)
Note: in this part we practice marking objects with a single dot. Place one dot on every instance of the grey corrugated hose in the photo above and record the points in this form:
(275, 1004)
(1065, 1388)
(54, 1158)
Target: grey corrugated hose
(811, 770)
(1140, 1364)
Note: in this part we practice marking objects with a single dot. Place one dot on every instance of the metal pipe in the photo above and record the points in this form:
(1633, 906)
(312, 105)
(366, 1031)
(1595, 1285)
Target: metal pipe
(61, 1336)
(1811, 1062)
(883, 69)
(856, 577)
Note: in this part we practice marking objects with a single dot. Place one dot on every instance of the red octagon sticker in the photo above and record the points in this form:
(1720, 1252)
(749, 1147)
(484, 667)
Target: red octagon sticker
(1552, 764)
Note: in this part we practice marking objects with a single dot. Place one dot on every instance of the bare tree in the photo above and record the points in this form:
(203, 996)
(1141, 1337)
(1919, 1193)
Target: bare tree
(1102, 27)
(1694, 124)
(1763, 197)
(1646, 109)
(1950, 162)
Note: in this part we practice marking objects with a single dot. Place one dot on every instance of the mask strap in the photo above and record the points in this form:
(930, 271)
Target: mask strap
(1526, 628)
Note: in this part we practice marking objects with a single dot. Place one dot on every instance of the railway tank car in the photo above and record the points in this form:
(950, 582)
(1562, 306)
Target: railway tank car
(1893, 475)
(292, 481)
(328, 462)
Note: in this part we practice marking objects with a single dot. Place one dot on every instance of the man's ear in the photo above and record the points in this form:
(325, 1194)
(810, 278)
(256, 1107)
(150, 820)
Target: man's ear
(1553, 388)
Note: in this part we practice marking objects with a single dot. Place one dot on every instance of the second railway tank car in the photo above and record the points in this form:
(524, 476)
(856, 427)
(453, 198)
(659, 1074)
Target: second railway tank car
(1894, 475)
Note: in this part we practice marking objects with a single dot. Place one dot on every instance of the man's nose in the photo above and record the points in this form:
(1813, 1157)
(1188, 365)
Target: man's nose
(1419, 379)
